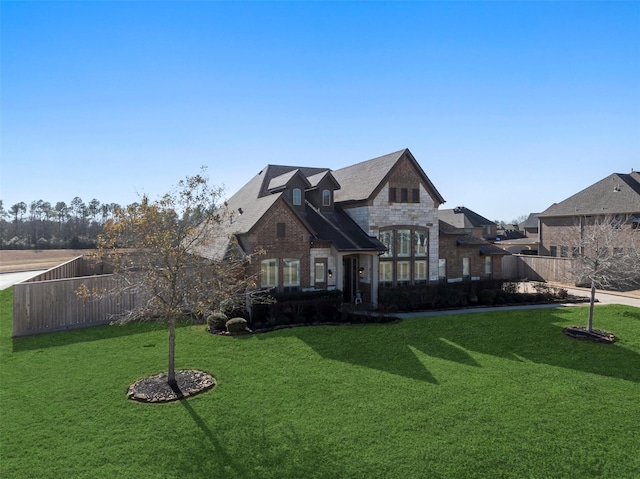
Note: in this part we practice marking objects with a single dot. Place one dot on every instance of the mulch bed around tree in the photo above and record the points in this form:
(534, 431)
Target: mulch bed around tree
(154, 389)
(597, 335)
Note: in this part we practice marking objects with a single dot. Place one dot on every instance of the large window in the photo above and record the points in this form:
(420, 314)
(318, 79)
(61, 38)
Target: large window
(269, 273)
(291, 274)
(406, 256)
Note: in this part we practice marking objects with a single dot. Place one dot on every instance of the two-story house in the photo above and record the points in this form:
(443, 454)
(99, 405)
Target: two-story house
(350, 229)
(471, 222)
(371, 224)
(615, 198)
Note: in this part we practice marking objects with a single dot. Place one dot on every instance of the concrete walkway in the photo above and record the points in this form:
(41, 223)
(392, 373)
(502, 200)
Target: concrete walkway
(9, 279)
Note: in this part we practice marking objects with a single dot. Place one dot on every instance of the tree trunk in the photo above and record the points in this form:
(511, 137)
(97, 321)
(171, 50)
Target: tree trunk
(171, 376)
(591, 304)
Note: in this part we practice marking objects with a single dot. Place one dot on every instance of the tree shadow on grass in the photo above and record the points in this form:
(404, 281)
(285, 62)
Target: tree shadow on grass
(533, 335)
(538, 337)
(88, 334)
(385, 347)
(280, 451)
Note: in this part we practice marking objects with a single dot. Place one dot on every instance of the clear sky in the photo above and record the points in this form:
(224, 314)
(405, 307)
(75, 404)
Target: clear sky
(508, 106)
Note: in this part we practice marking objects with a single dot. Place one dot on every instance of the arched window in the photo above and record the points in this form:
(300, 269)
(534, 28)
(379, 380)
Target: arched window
(297, 196)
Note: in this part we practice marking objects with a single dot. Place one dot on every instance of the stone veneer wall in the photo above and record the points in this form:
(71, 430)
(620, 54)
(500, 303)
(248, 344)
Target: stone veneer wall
(382, 213)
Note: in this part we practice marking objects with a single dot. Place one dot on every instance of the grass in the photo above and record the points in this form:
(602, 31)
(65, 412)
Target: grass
(488, 395)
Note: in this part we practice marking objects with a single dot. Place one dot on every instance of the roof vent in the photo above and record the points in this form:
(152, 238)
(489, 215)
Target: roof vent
(616, 188)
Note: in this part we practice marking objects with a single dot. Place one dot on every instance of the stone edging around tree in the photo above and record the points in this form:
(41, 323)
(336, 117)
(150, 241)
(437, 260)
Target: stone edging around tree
(155, 389)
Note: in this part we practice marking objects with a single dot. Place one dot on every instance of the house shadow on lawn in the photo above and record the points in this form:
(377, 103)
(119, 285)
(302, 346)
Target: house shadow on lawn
(514, 335)
(385, 347)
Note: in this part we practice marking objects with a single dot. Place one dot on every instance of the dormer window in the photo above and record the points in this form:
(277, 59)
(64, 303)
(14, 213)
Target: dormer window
(297, 196)
(326, 198)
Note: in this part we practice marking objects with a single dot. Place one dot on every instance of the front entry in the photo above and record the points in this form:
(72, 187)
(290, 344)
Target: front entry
(349, 278)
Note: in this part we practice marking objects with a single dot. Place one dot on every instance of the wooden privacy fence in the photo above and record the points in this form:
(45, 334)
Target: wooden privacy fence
(537, 268)
(50, 301)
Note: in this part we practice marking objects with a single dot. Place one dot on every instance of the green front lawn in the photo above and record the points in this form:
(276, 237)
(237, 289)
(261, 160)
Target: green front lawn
(484, 395)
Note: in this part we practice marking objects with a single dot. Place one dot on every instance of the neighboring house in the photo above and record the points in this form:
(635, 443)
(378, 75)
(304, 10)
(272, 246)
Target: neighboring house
(467, 257)
(469, 221)
(372, 223)
(521, 238)
(616, 196)
(530, 226)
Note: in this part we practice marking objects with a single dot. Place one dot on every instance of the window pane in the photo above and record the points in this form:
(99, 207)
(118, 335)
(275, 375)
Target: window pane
(291, 272)
(297, 196)
(386, 272)
(392, 195)
(465, 266)
(421, 239)
(269, 273)
(420, 270)
(415, 195)
(320, 273)
(442, 268)
(386, 238)
(404, 243)
(404, 271)
(326, 198)
(487, 265)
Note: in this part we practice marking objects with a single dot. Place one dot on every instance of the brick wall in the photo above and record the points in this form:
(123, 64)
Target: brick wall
(294, 244)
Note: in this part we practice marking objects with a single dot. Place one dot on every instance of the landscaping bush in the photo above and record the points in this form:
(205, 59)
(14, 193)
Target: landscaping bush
(216, 321)
(298, 308)
(487, 296)
(237, 326)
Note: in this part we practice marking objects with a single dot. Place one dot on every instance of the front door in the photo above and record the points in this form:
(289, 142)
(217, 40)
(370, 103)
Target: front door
(350, 278)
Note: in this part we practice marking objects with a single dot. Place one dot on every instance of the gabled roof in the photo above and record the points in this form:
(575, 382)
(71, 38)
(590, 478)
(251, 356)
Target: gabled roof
(314, 180)
(462, 217)
(465, 239)
(617, 193)
(338, 228)
(531, 221)
(280, 182)
(360, 181)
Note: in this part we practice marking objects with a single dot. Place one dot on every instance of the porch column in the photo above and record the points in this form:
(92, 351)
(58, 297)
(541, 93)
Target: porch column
(375, 264)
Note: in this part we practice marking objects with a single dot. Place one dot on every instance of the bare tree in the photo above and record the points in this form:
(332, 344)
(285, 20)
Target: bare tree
(606, 253)
(154, 246)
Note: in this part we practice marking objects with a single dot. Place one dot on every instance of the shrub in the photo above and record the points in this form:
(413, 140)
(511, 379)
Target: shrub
(237, 326)
(487, 296)
(216, 321)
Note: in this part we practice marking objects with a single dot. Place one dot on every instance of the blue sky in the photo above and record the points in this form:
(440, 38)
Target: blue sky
(508, 106)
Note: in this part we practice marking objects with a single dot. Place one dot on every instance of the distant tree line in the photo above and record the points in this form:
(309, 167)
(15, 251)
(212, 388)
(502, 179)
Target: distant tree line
(44, 225)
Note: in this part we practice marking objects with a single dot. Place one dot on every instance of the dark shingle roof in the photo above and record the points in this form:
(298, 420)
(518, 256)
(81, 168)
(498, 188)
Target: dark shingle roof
(617, 193)
(338, 228)
(466, 239)
(462, 217)
(361, 180)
